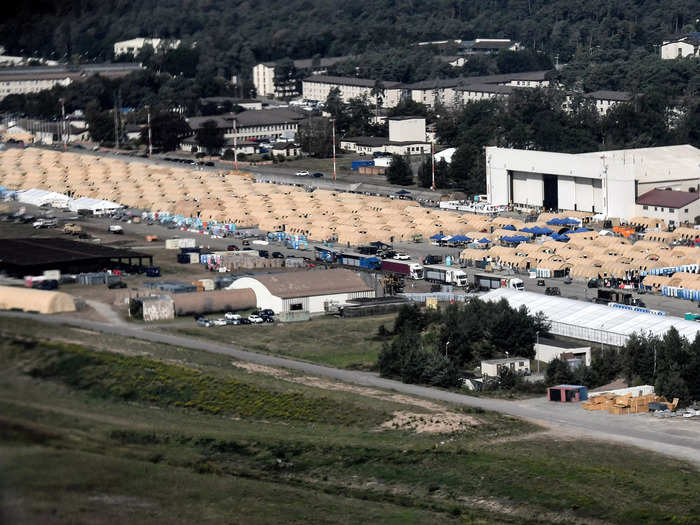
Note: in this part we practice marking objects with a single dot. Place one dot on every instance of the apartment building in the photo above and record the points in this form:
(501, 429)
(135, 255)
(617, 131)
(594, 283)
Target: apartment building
(134, 45)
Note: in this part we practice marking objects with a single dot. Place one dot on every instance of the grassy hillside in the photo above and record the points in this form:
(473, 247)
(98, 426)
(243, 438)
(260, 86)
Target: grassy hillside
(79, 444)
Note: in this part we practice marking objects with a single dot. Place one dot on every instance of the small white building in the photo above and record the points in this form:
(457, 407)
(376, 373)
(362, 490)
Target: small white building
(286, 149)
(493, 367)
(681, 46)
(606, 100)
(313, 291)
(547, 350)
(134, 45)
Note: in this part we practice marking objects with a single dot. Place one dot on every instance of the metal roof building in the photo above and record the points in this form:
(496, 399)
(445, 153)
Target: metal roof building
(309, 291)
(591, 322)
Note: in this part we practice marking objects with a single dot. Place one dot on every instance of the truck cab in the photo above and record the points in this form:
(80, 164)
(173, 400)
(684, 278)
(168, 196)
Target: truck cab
(516, 284)
(416, 271)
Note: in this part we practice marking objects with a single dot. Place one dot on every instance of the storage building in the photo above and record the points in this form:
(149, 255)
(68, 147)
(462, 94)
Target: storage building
(152, 308)
(216, 301)
(30, 300)
(567, 393)
(311, 291)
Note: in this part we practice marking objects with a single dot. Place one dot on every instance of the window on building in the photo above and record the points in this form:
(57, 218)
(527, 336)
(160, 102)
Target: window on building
(296, 307)
(645, 207)
(686, 210)
(671, 210)
(656, 209)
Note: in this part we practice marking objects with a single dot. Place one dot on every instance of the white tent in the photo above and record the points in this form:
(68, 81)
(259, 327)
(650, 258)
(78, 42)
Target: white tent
(37, 197)
(445, 155)
(96, 206)
(591, 322)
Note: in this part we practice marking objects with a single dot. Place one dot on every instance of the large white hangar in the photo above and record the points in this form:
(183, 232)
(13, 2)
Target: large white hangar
(602, 182)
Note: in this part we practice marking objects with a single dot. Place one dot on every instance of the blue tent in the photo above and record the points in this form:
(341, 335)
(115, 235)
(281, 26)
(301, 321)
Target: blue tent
(484, 240)
(460, 238)
(514, 238)
(437, 237)
(555, 222)
(509, 227)
(561, 238)
(580, 230)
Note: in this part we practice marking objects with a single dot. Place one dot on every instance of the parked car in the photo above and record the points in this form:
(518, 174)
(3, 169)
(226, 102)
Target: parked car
(552, 290)
(245, 242)
(268, 319)
(116, 285)
(220, 322)
(245, 320)
(203, 322)
(234, 322)
(592, 283)
(264, 254)
(540, 282)
(46, 284)
(317, 175)
(277, 255)
(402, 256)
(267, 312)
(256, 319)
(231, 316)
(232, 248)
(302, 173)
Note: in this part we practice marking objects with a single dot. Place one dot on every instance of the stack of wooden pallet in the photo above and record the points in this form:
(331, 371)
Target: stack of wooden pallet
(625, 404)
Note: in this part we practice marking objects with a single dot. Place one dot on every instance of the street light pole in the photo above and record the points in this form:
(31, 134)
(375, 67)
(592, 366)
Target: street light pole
(447, 344)
(334, 167)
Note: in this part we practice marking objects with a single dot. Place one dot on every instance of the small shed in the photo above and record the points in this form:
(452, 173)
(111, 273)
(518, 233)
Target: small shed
(567, 393)
(493, 367)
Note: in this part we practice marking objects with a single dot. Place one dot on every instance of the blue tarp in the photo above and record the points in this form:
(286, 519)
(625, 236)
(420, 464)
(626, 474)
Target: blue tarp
(509, 227)
(514, 238)
(537, 230)
(561, 238)
(437, 237)
(580, 230)
(484, 240)
(568, 221)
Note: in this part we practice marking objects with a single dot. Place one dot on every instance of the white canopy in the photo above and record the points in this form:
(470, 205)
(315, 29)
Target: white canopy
(37, 197)
(94, 205)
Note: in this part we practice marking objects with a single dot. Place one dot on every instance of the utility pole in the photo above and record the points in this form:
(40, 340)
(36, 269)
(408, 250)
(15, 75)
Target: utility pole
(235, 145)
(63, 126)
(432, 160)
(150, 143)
(116, 123)
(334, 170)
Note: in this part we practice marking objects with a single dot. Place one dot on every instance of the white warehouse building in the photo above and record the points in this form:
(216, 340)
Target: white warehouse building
(602, 182)
(309, 291)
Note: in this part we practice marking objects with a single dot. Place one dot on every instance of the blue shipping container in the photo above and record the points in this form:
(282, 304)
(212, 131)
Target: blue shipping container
(357, 164)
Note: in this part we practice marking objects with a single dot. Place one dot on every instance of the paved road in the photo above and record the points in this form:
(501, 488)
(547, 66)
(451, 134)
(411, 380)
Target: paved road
(675, 437)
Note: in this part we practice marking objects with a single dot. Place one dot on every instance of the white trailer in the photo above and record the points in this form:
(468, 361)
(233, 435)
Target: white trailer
(445, 275)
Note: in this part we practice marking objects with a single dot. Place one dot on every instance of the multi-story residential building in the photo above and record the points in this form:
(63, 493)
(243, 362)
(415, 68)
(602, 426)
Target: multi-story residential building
(605, 100)
(273, 124)
(267, 83)
(681, 46)
(134, 46)
(318, 87)
(25, 80)
(406, 137)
